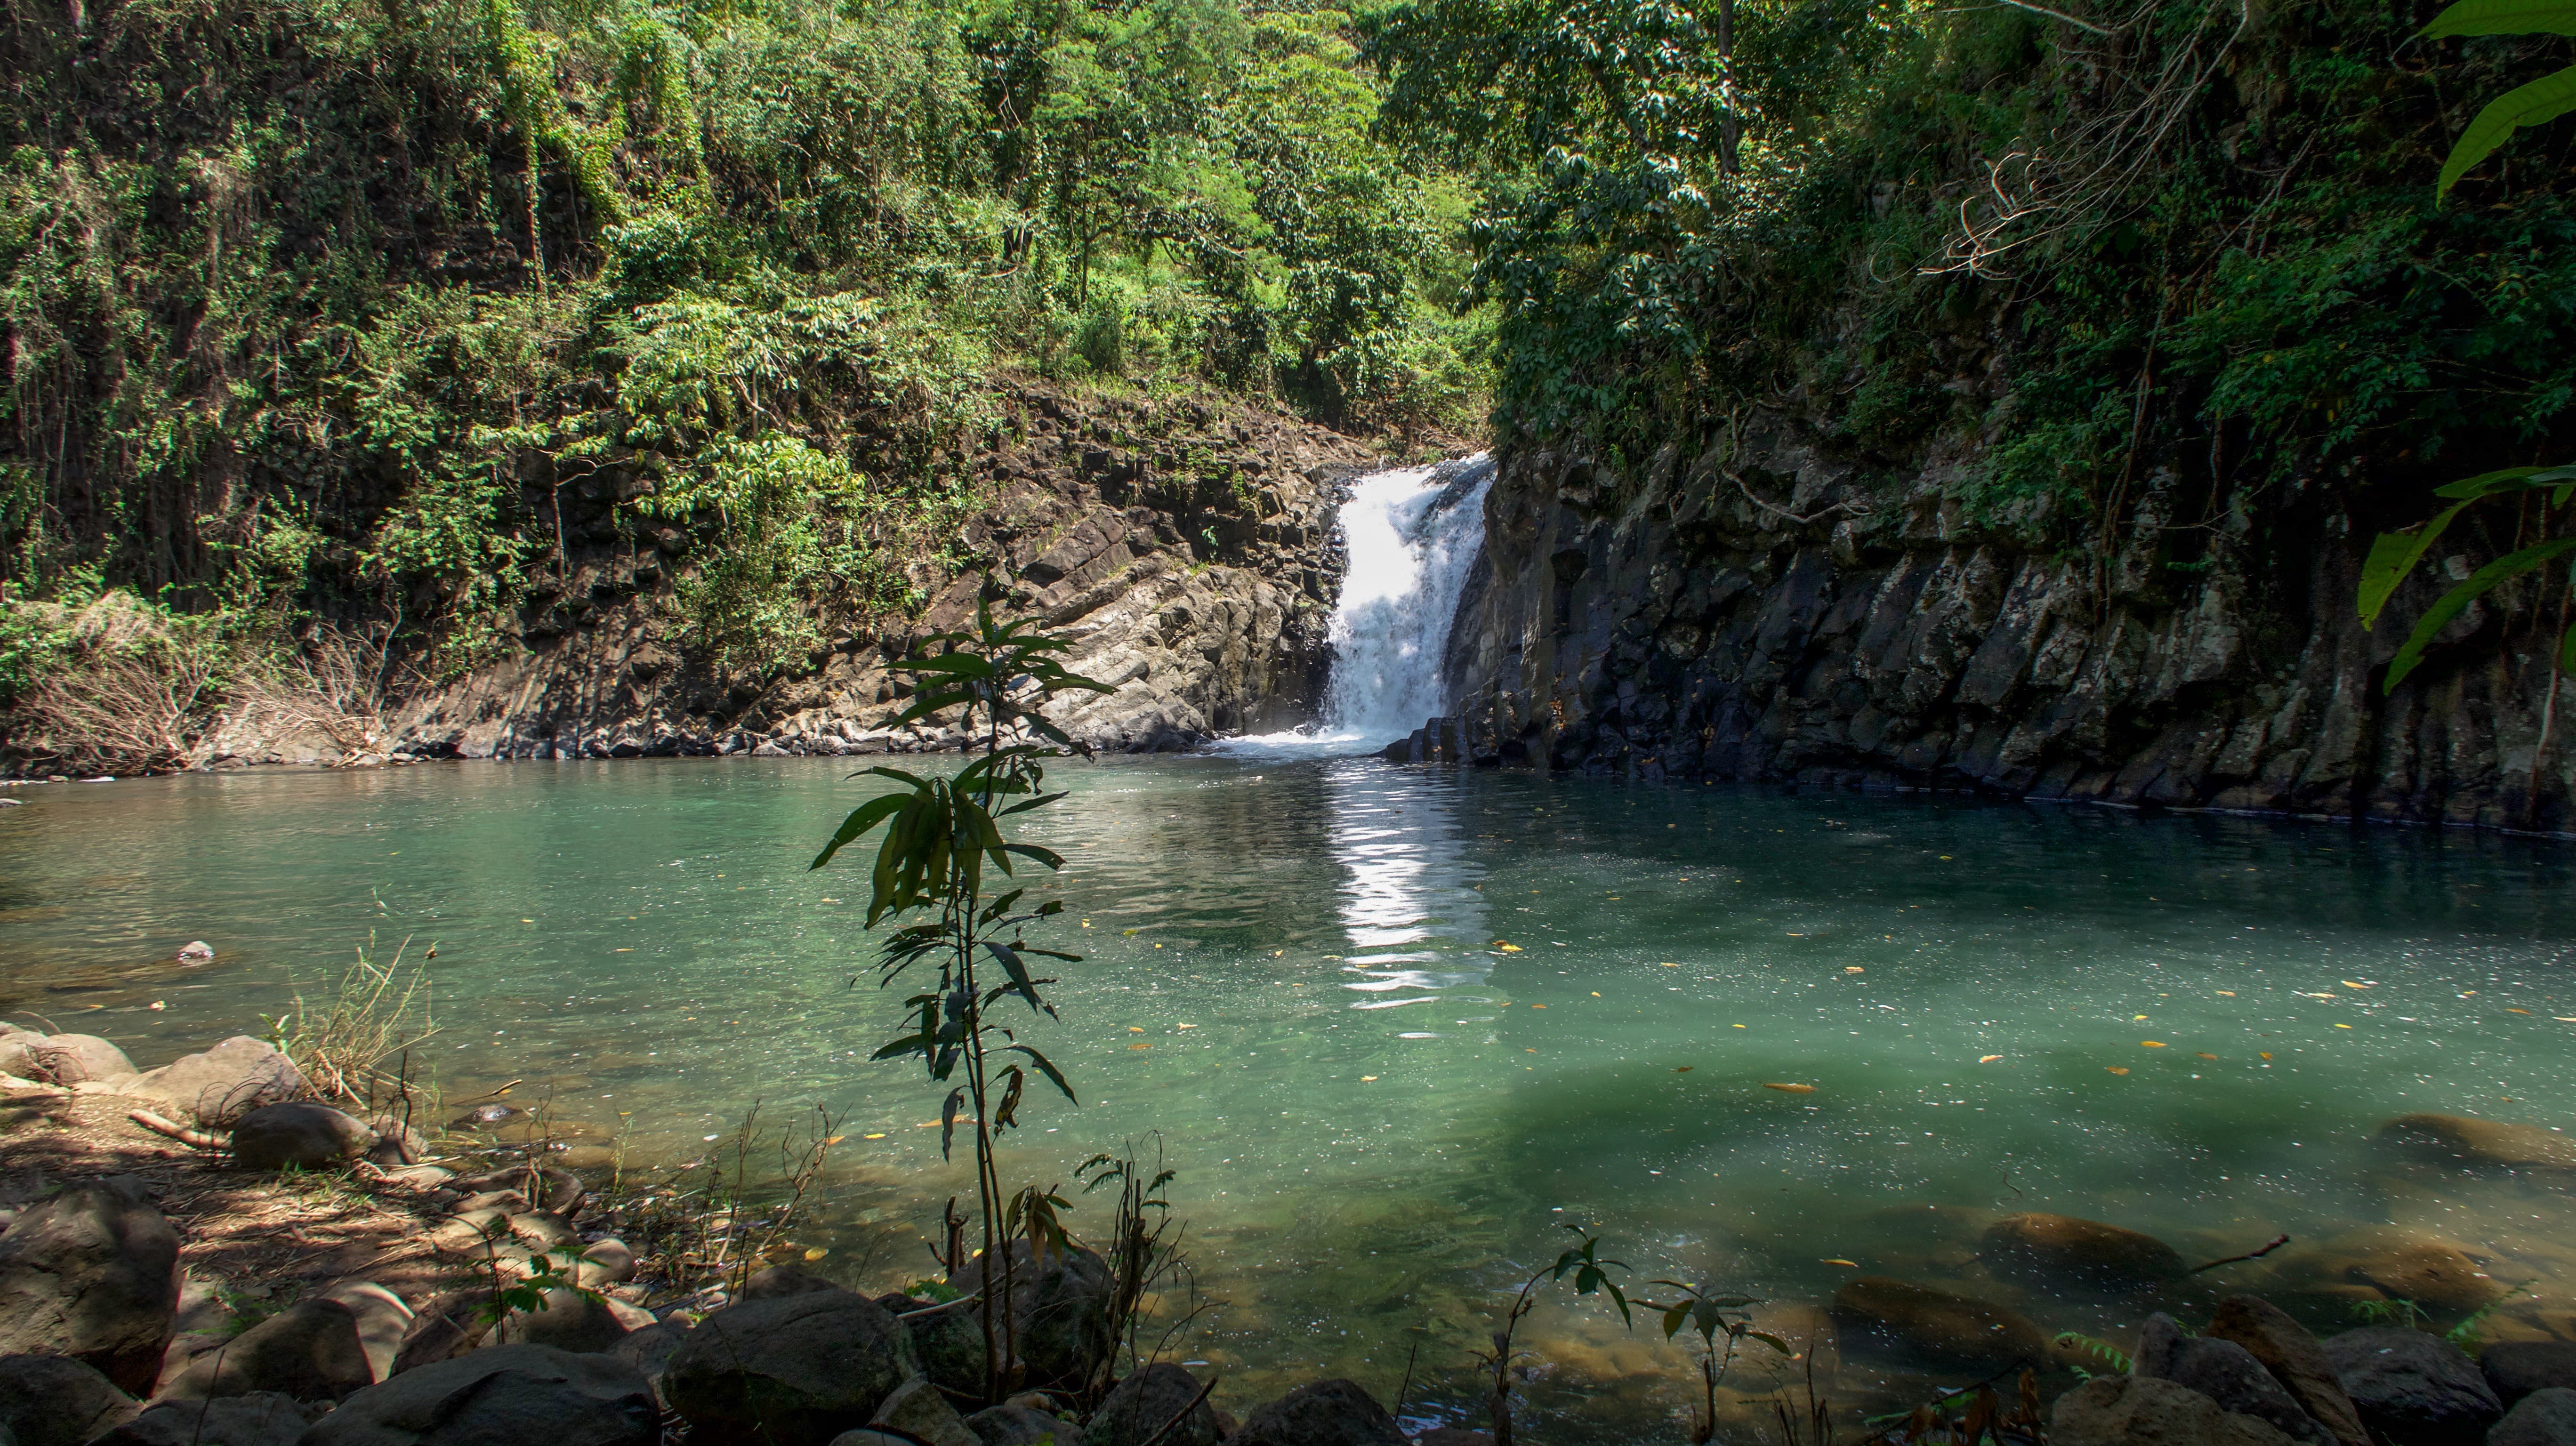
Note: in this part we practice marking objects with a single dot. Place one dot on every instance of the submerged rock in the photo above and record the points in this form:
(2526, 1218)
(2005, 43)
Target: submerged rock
(2413, 1388)
(2295, 1360)
(93, 1274)
(2492, 1144)
(2062, 1250)
(1893, 1317)
(1324, 1413)
(304, 1136)
(2146, 1411)
(533, 1394)
(798, 1369)
(2546, 1417)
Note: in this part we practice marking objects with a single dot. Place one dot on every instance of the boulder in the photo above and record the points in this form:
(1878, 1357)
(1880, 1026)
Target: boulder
(18, 1051)
(950, 1342)
(444, 1326)
(1323, 1413)
(2413, 1388)
(383, 1323)
(796, 1371)
(572, 1320)
(58, 1401)
(70, 1059)
(2515, 1369)
(533, 1394)
(918, 1409)
(398, 1146)
(2145, 1411)
(2546, 1417)
(605, 1262)
(777, 1282)
(2059, 1250)
(1060, 1307)
(2295, 1360)
(298, 1135)
(1934, 1328)
(226, 1082)
(1008, 1425)
(648, 1349)
(92, 1273)
(2226, 1373)
(2484, 1144)
(2401, 1265)
(1139, 1407)
(310, 1351)
(265, 1419)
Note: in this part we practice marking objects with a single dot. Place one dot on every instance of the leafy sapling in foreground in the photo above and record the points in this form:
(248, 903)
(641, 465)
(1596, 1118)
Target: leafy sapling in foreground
(1591, 1273)
(1712, 1316)
(940, 835)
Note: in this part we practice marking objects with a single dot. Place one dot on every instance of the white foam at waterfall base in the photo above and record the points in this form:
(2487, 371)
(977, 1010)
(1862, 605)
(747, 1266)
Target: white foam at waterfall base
(1410, 534)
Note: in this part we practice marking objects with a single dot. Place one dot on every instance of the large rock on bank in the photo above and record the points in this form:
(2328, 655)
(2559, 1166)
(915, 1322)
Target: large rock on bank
(513, 1394)
(57, 1401)
(2544, 1418)
(2145, 1411)
(1141, 1406)
(93, 1274)
(310, 1351)
(220, 1085)
(2413, 1388)
(1877, 1315)
(2515, 1369)
(1061, 1307)
(1324, 1413)
(2226, 1373)
(792, 1371)
(2295, 1360)
(301, 1136)
(265, 1419)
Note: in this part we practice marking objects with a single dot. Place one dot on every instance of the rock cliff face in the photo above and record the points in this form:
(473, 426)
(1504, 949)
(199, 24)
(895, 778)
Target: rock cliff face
(1187, 548)
(1776, 618)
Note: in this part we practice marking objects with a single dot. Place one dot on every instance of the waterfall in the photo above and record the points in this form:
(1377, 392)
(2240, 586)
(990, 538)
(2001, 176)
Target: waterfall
(1410, 535)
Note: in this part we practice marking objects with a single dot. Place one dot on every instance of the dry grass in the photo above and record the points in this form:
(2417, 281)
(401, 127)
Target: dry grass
(373, 1015)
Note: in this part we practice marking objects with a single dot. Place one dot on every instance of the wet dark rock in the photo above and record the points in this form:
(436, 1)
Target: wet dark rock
(572, 1320)
(1875, 1314)
(220, 1085)
(310, 1351)
(303, 1136)
(2295, 1360)
(2546, 1417)
(94, 1274)
(398, 1146)
(2515, 1369)
(531, 1394)
(1324, 1413)
(58, 1401)
(801, 1368)
(2146, 1411)
(265, 1419)
(2488, 1144)
(917, 1409)
(777, 1282)
(949, 1342)
(2226, 1373)
(2412, 1387)
(649, 1349)
(2064, 1250)
(1453, 1436)
(1139, 1407)
(1008, 1425)
(1062, 1310)
(442, 1327)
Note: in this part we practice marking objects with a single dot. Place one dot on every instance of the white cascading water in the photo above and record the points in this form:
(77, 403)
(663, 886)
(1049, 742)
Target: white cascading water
(1410, 535)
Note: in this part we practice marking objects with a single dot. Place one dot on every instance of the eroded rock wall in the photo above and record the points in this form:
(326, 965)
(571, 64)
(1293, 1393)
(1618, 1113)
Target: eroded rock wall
(1781, 617)
(1187, 547)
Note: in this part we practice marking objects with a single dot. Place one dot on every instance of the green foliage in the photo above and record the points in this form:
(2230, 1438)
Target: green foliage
(2110, 1356)
(940, 835)
(2536, 103)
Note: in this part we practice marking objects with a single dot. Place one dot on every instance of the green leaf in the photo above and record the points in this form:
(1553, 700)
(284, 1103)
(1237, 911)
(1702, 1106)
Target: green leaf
(1774, 1342)
(2504, 17)
(1047, 1068)
(1018, 971)
(963, 665)
(948, 1120)
(1046, 856)
(1674, 1315)
(2451, 604)
(2393, 556)
(2486, 482)
(862, 818)
(2544, 99)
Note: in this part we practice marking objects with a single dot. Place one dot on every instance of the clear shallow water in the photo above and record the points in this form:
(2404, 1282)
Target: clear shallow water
(1377, 1111)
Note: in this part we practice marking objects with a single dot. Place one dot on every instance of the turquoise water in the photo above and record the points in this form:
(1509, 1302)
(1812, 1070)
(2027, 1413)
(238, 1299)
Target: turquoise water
(1297, 976)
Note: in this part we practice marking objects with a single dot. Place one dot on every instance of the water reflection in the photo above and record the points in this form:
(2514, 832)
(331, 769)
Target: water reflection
(1408, 898)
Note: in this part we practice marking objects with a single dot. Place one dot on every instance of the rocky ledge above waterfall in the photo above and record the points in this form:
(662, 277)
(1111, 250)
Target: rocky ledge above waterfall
(1187, 547)
(1789, 618)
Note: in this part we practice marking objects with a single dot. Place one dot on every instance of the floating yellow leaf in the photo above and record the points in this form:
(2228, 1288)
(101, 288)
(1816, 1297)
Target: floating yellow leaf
(1838, 1260)
(1507, 948)
(836, 1139)
(527, 921)
(2561, 1018)
(1368, 1079)
(2209, 1056)
(2267, 1054)
(1596, 993)
(2509, 1009)
(1741, 1026)
(1135, 1029)
(2135, 1017)
(1684, 1068)
(627, 950)
(1790, 1089)
(2349, 984)
(879, 1135)
(1140, 1046)
(1854, 969)
(817, 1252)
(2343, 1026)
(2230, 993)
(1538, 1006)
(2117, 1069)
(1671, 965)
(1988, 1058)
(2151, 1044)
